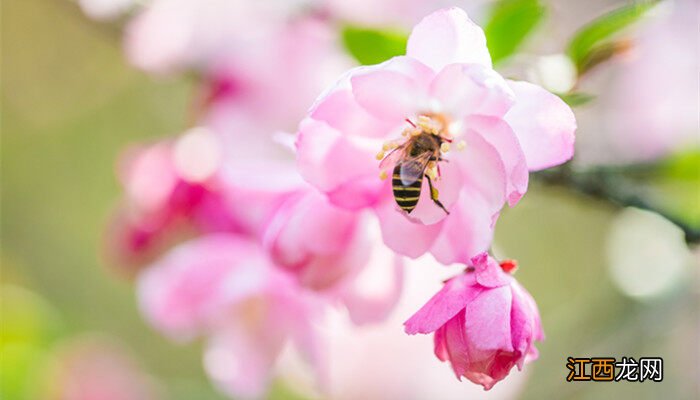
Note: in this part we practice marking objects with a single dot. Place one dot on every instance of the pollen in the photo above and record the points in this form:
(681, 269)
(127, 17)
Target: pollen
(382, 174)
(380, 155)
(445, 147)
(461, 145)
(389, 145)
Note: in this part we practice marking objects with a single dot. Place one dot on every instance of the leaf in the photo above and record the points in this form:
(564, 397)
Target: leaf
(372, 46)
(509, 25)
(576, 98)
(594, 34)
(684, 166)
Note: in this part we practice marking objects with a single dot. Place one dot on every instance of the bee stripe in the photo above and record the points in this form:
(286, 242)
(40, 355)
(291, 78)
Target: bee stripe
(406, 199)
(396, 177)
(400, 188)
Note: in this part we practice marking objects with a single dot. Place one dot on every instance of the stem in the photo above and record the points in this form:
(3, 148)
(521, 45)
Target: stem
(610, 186)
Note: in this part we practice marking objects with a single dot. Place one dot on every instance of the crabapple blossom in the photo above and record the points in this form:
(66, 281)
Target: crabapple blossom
(224, 287)
(171, 191)
(443, 86)
(484, 322)
(327, 248)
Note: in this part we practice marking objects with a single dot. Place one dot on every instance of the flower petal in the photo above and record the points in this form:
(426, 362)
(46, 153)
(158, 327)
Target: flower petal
(332, 162)
(500, 135)
(185, 291)
(445, 304)
(471, 89)
(488, 320)
(241, 362)
(488, 272)
(482, 169)
(448, 36)
(373, 294)
(522, 324)
(408, 238)
(544, 124)
(394, 90)
(340, 110)
(466, 232)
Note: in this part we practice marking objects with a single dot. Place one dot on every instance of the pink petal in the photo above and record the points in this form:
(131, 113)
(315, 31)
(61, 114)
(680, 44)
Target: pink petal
(471, 89)
(408, 238)
(458, 349)
(544, 124)
(488, 320)
(241, 362)
(373, 294)
(186, 291)
(482, 169)
(466, 232)
(522, 324)
(488, 272)
(503, 139)
(448, 36)
(445, 304)
(340, 110)
(330, 161)
(440, 344)
(393, 91)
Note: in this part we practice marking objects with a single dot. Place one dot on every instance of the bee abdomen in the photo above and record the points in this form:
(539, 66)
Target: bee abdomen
(406, 196)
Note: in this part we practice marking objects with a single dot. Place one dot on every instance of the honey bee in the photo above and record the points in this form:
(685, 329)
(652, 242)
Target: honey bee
(410, 161)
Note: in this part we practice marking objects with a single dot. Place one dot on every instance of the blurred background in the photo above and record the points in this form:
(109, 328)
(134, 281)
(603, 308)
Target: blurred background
(610, 279)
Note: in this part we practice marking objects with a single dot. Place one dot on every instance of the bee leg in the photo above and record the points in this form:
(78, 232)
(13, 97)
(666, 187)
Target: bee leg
(434, 195)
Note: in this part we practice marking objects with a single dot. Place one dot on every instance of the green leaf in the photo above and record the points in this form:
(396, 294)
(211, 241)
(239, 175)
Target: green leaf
(576, 98)
(684, 165)
(510, 23)
(589, 38)
(372, 46)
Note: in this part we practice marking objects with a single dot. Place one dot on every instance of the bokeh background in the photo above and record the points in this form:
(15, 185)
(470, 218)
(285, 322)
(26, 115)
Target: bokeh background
(609, 280)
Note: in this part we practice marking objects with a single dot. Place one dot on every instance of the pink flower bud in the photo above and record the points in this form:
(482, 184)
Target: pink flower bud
(484, 323)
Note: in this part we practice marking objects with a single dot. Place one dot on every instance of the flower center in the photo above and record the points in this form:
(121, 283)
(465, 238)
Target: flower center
(425, 124)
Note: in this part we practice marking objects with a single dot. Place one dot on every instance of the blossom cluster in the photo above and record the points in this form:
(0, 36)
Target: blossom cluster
(243, 233)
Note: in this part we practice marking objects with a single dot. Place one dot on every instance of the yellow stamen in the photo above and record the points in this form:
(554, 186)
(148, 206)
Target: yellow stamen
(382, 175)
(461, 145)
(380, 155)
(445, 147)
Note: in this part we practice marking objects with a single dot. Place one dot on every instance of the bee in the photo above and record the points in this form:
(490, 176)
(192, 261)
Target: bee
(410, 161)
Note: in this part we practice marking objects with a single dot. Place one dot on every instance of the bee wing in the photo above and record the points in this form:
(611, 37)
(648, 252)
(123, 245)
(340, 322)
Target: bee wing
(393, 157)
(412, 168)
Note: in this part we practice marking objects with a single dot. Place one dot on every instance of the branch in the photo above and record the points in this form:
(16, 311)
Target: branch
(610, 186)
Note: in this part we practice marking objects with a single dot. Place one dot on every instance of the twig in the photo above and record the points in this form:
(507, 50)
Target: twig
(611, 186)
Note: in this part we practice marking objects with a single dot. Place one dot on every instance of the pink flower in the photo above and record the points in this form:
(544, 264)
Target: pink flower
(224, 287)
(484, 323)
(326, 248)
(445, 86)
(172, 191)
